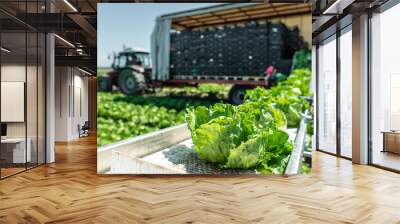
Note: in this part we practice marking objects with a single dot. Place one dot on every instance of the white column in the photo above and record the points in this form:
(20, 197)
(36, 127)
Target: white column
(50, 92)
(50, 101)
(360, 90)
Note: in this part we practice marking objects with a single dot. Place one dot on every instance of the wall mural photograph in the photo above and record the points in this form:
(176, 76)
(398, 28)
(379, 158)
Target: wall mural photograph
(204, 89)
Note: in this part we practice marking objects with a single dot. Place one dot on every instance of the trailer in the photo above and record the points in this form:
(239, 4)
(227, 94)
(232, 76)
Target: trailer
(230, 43)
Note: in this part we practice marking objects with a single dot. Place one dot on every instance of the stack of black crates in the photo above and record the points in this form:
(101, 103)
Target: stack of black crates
(245, 49)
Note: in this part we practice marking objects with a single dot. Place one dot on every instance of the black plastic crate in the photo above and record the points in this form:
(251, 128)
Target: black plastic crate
(234, 49)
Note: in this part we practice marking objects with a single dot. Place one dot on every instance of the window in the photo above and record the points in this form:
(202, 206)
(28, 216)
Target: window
(145, 59)
(327, 95)
(385, 88)
(122, 61)
(346, 92)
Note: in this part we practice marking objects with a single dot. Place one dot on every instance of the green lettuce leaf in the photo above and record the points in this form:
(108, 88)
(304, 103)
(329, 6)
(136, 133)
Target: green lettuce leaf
(213, 141)
(196, 117)
(246, 155)
(278, 149)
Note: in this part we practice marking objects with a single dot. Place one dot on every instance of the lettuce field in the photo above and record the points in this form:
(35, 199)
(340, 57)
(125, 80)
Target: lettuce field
(120, 117)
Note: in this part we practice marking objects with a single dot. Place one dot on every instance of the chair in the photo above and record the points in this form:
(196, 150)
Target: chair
(84, 130)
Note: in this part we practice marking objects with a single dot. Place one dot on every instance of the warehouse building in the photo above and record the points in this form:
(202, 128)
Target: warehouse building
(48, 83)
(357, 80)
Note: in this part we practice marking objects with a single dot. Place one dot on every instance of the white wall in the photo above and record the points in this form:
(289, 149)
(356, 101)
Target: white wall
(71, 94)
(62, 82)
(80, 102)
(14, 72)
(33, 126)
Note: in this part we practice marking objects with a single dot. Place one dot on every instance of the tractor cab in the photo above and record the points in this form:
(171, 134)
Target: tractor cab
(132, 58)
(131, 72)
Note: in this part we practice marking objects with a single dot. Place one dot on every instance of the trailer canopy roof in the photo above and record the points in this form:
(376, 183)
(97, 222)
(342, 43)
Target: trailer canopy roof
(234, 13)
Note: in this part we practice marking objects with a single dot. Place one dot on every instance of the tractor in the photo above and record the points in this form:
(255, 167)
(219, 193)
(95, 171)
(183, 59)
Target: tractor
(131, 71)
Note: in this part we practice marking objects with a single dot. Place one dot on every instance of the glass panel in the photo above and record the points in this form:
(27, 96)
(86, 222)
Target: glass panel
(22, 88)
(13, 86)
(32, 87)
(41, 99)
(327, 96)
(32, 98)
(385, 84)
(346, 94)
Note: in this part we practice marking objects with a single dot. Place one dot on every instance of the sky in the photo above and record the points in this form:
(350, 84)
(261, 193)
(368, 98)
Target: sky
(130, 24)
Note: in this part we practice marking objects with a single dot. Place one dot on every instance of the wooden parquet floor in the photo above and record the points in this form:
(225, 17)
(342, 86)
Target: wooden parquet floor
(70, 191)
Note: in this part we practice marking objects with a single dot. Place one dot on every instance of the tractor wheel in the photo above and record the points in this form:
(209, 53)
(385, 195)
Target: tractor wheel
(237, 93)
(104, 84)
(130, 82)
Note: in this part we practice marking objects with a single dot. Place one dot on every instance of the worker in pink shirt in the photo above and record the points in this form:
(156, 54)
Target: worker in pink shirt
(270, 73)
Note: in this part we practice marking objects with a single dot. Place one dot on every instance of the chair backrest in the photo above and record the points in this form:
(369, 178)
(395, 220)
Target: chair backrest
(86, 125)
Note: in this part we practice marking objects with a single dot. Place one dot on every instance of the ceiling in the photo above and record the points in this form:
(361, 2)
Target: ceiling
(331, 14)
(74, 22)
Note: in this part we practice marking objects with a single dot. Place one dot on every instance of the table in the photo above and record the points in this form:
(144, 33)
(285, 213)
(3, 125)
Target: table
(391, 141)
(15, 148)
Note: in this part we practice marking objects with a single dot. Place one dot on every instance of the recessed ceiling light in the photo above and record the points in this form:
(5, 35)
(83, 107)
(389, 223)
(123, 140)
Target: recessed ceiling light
(337, 7)
(5, 50)
(64, 40)
(70, 5)
(86, 72)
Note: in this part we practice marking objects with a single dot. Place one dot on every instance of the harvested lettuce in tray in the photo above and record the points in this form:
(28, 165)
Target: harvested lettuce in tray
(251, 135)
